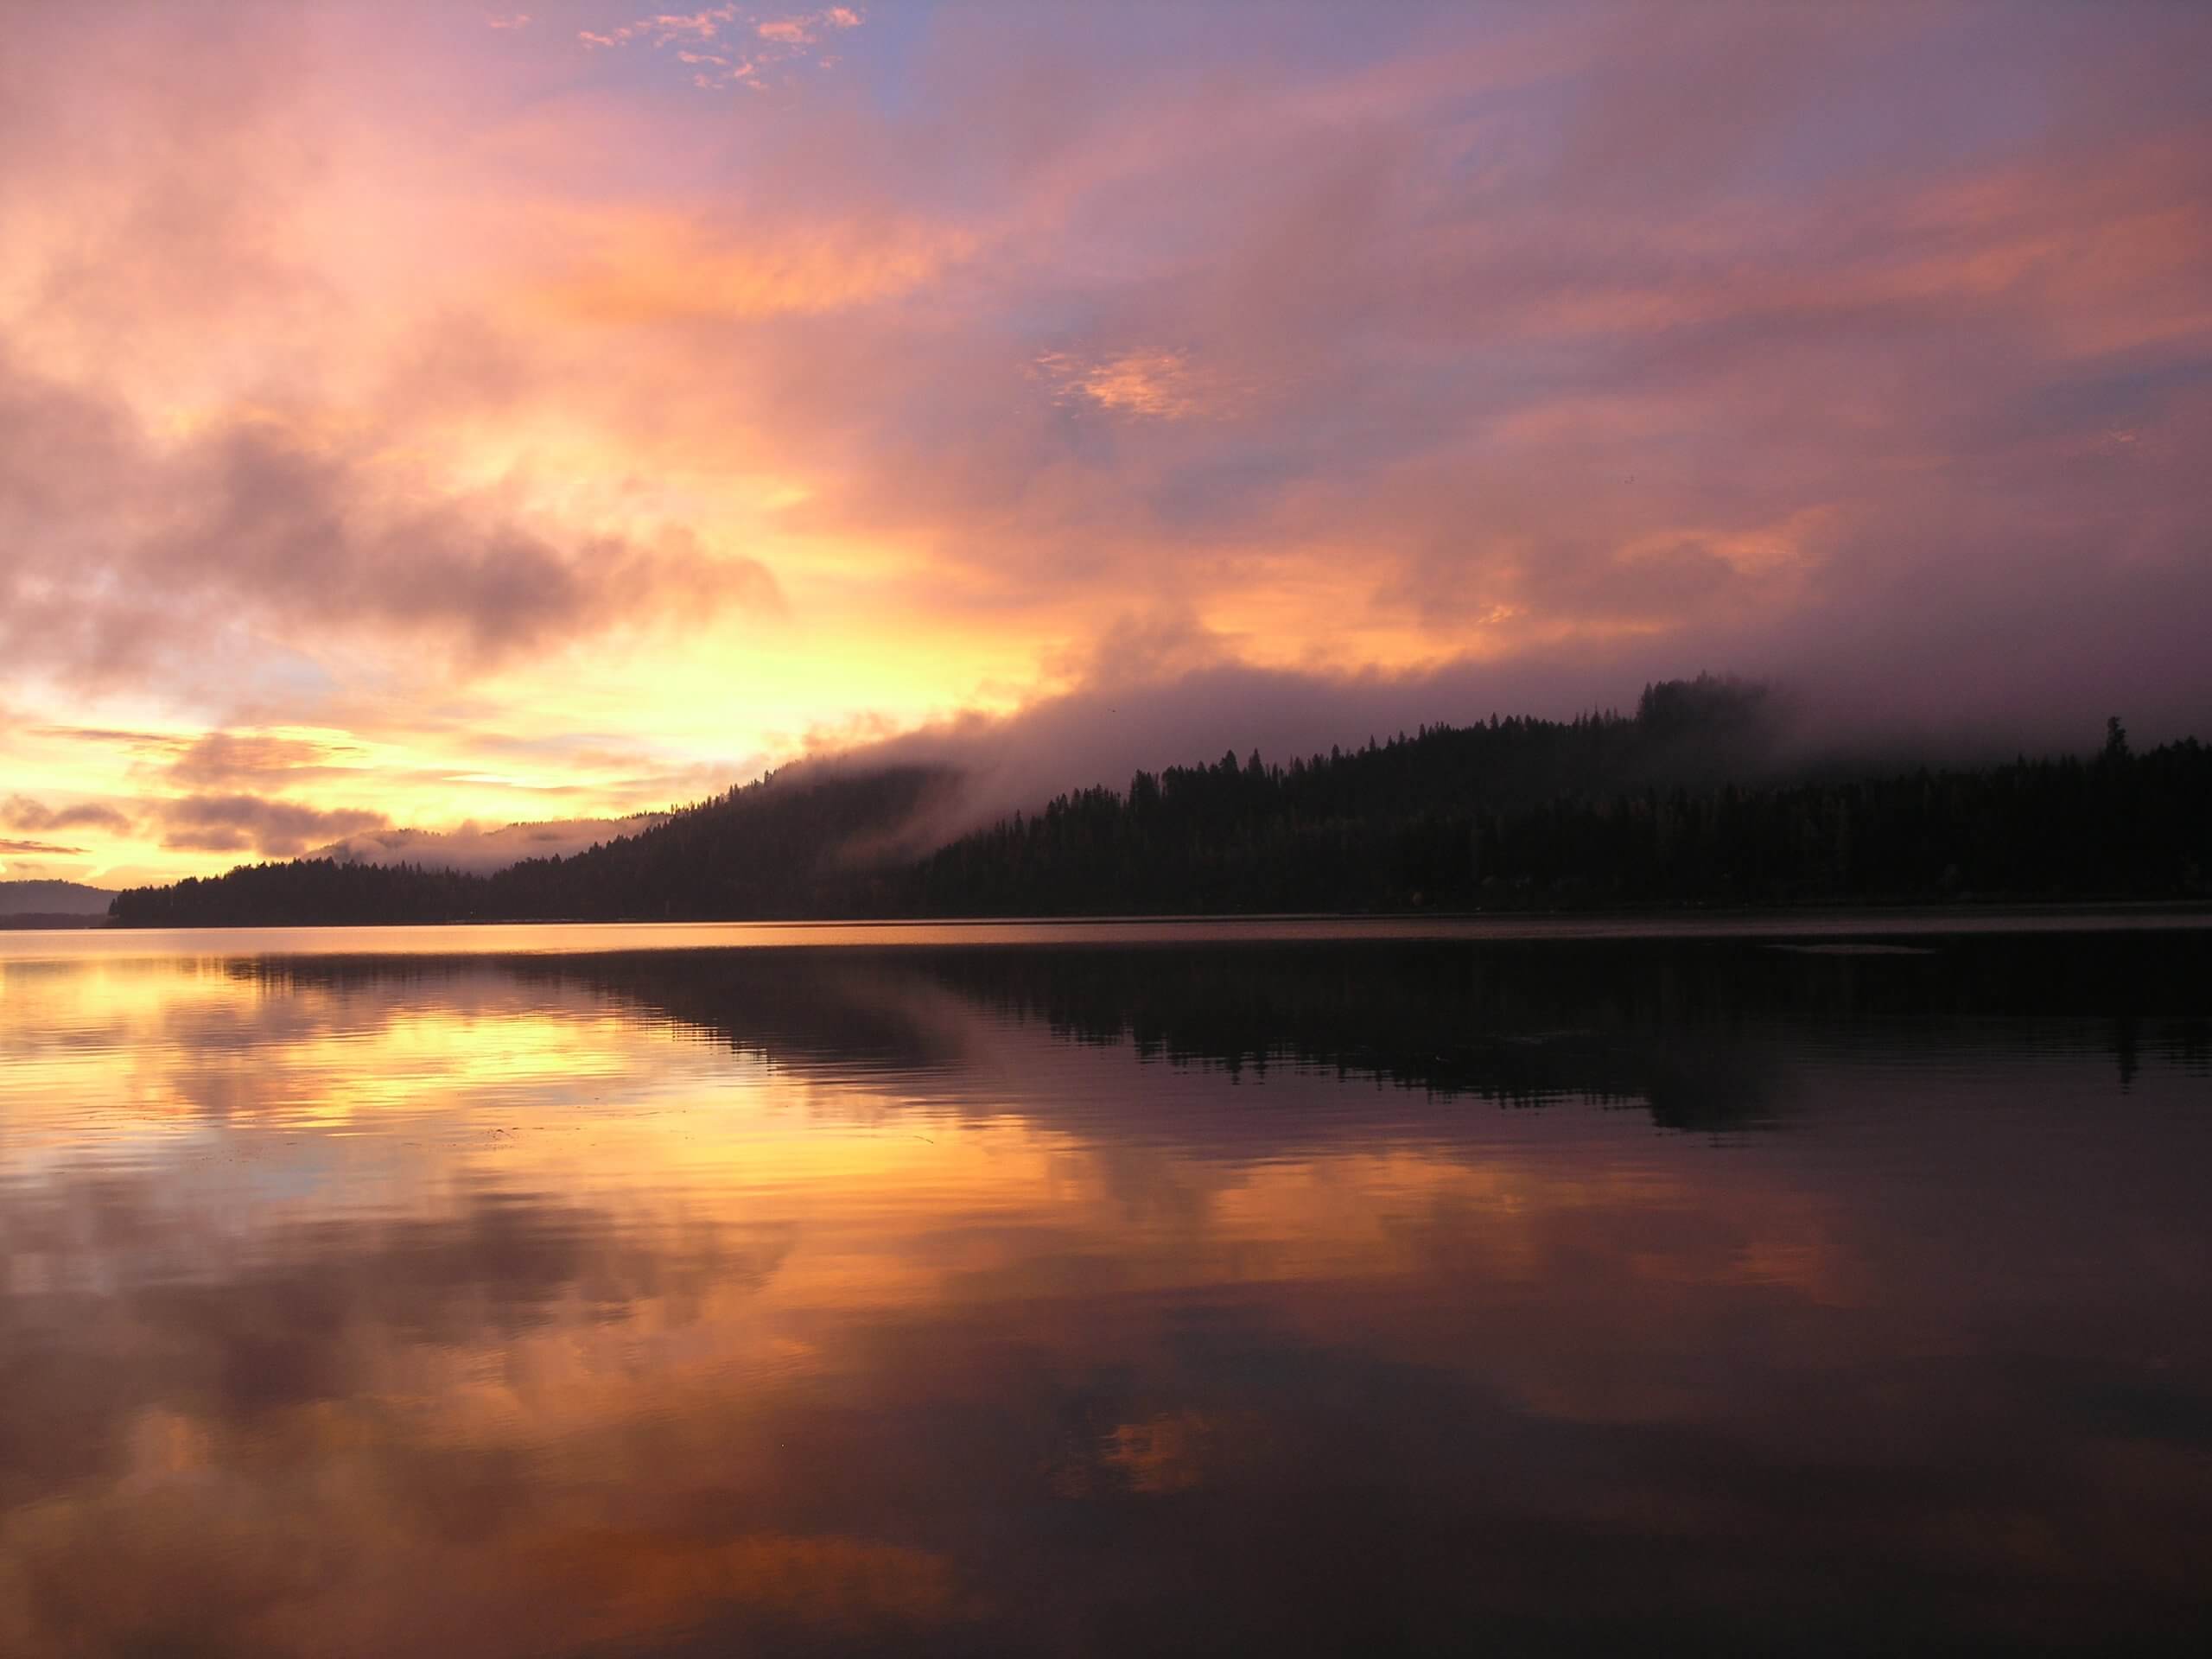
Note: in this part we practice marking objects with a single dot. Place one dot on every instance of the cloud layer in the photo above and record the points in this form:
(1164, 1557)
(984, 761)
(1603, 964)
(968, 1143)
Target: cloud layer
(426, 384)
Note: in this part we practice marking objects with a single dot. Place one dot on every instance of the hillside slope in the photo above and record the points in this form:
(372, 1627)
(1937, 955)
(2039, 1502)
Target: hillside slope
(53, 898)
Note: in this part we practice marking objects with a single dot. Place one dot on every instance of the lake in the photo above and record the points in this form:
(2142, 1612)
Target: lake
(1296, 1287)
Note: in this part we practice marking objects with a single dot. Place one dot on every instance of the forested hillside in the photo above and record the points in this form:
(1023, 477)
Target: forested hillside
(1666, 806)
(1256, 837)
(778, 847)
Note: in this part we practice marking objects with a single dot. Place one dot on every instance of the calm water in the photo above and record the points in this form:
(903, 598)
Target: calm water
(1104, 1291)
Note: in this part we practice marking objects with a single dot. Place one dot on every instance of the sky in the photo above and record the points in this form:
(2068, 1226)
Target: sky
(431, 418)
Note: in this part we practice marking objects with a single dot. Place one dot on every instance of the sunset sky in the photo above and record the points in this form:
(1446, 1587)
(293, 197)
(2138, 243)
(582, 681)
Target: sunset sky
(419, 415)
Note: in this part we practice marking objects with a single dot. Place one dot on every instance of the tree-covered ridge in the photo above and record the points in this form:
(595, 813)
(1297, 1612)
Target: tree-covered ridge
(1660, 807)
(1418, 822)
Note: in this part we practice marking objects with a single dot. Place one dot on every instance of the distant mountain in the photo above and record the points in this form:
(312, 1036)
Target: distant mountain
(53, 898)
(812, 840)
(1679, 803)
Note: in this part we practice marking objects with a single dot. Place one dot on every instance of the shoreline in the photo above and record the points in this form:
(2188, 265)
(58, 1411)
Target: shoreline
(1830, 925)
(1504, 912)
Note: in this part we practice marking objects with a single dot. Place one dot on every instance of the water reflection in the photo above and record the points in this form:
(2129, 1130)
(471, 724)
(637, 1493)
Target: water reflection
(1399, 1296)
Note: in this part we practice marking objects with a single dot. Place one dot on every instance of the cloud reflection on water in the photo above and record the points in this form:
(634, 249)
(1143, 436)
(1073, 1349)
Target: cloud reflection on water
(1082, 1301)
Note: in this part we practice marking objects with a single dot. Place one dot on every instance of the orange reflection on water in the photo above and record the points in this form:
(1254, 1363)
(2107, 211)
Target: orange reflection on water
(538, 1306)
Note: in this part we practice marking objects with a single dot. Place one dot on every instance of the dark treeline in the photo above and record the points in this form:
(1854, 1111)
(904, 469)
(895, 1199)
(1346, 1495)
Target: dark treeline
(1415, 823)
(1665, 806)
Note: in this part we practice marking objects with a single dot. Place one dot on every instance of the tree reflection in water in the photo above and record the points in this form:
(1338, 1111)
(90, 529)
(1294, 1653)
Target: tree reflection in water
(1404, 1296)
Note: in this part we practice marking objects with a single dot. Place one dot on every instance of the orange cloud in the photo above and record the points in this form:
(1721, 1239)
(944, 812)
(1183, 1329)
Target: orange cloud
(660, 268)
(1155, 384)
